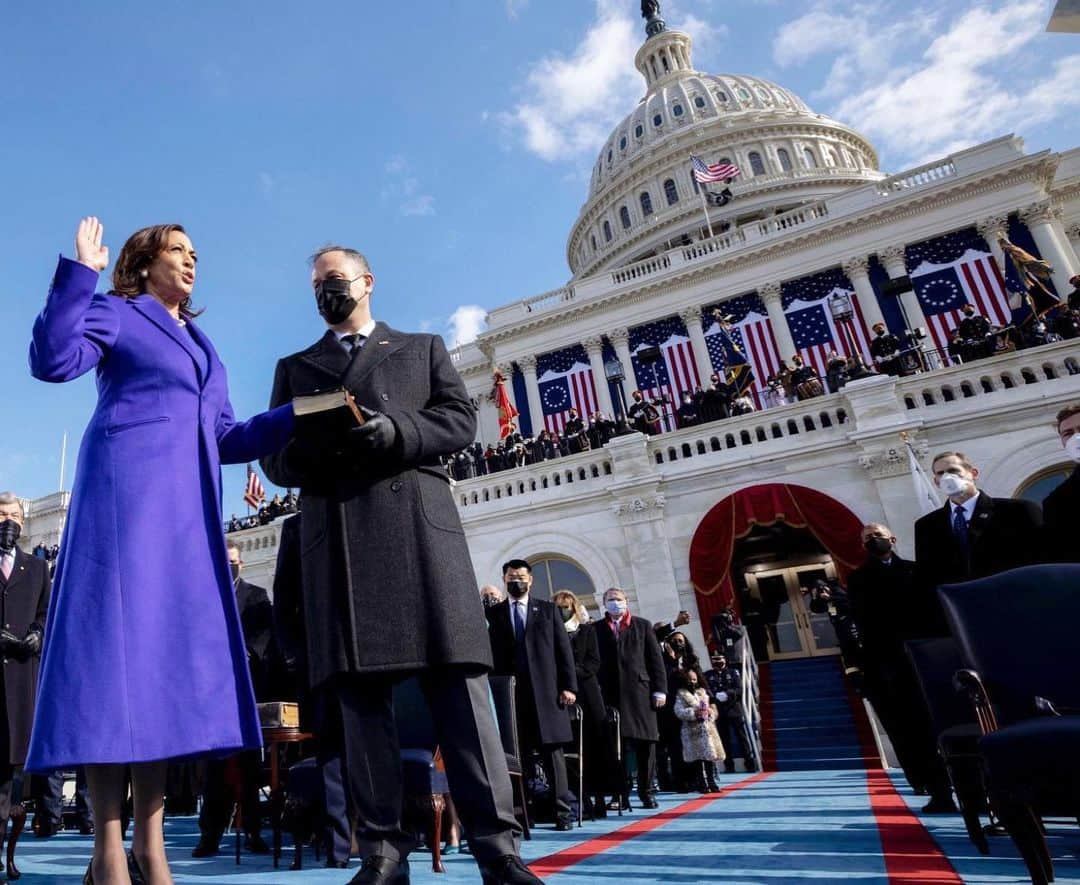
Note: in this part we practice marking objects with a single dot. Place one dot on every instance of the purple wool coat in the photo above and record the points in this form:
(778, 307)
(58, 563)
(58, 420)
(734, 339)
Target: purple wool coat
(144, 657)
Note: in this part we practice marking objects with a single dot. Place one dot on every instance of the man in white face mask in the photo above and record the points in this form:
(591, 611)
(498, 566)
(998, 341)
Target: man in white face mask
(1062, 505)
(973, 535)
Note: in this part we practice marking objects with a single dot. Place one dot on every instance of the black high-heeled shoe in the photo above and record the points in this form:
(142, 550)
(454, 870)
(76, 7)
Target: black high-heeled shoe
(88, 879)
(136, 875)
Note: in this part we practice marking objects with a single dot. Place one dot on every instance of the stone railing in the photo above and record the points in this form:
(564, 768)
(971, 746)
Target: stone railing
(793, 218)
(534, 483)
(923, 176)
(517, 311)
(641, 269)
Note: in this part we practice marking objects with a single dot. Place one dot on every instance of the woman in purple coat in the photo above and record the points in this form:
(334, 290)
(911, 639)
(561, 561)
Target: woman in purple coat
(144, 658)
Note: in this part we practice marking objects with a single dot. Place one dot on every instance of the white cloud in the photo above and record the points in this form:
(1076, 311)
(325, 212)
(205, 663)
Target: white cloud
(920, 85)
(404, 189)
(465, 324)
(515, 7)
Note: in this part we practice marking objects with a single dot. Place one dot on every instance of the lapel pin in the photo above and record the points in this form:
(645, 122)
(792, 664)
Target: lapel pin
(384, 342)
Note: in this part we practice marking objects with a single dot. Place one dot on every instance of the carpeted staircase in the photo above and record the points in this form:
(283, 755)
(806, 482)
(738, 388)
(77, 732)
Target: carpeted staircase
(810, 721)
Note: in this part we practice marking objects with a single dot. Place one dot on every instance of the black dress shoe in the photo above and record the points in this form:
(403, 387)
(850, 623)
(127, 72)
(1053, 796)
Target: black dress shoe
(508, 870)
(256, 844)
(940, 805)
(563, 825)
(45, 829)
(336, 864)
(205, 849)
(649, 802)
(377, 870)
(86, 829)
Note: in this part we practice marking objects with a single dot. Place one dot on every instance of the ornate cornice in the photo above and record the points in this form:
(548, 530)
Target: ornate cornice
(1042, 212)
(631, 510)
(892, 459)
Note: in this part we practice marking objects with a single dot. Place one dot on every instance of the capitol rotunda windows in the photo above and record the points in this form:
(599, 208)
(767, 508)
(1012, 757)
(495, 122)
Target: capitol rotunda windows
(784, 158)
(757, 165)
(607, 231)
(624, 217)
(809, 158)
(646, 203)
(671, 192)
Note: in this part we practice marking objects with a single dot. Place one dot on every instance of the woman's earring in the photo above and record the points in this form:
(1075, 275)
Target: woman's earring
(144, 273)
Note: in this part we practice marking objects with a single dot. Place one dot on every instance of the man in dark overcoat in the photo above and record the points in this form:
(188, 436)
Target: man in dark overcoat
(529, 641)
(973, 535)
(257, 622)
(1062, 506)
(633, 680)
(388, 584)
(24, 603)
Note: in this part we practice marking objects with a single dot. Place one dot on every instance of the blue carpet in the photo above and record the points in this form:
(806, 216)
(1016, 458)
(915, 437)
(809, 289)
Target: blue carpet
(808, 826)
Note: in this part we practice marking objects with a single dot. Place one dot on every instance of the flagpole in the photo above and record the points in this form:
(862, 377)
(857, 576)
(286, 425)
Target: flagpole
(63, 460)
(705, 209)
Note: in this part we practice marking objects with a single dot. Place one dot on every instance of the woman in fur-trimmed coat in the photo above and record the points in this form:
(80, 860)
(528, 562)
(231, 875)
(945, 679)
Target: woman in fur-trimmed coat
(701, 743)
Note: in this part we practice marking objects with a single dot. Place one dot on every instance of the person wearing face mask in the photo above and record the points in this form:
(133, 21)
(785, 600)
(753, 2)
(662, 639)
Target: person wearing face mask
(24, 604)
(143, 567)
(973, 535)
(633, 680)
(529, 641)
(687, 413)
(257, 624)
(974, 331)
(1062, 506)
(491, 595)
(884, 349)
(644, 416)
(890, 607)
(586, 667)
(732, 723)
(388, 582)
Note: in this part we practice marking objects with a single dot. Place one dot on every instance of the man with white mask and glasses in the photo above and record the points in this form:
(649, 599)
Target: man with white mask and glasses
(973, 535)
(1062, 505)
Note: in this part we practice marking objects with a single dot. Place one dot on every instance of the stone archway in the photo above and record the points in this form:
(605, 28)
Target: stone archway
(834, 526)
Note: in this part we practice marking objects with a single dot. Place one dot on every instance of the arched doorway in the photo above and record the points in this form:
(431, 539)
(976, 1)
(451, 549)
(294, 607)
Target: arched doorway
(756, 549)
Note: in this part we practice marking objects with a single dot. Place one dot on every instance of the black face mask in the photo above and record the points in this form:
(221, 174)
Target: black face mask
(9, 533)
(565, 613)
(969, 313)
(880, 332)
(234, 570)
(878, 546)
(517, 589)
(489, 600)
(334, 301)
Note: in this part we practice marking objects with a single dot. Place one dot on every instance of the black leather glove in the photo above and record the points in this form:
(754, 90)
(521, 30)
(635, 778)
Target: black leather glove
(10, 644)
(32, 640)
(377, 435)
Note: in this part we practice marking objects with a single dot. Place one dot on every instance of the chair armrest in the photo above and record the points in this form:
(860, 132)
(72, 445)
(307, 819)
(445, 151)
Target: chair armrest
(968, 682)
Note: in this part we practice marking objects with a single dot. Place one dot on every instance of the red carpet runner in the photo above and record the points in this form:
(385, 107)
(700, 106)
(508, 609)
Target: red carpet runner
(556, 863)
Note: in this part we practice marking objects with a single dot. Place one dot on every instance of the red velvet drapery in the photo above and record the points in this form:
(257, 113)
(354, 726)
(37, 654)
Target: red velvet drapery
(711, 550)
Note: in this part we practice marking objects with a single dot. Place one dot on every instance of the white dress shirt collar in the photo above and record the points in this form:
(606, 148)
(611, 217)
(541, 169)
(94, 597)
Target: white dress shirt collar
(364, 330)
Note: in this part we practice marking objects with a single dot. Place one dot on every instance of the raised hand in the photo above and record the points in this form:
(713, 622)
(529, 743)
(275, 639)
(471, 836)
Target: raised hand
(88, 248)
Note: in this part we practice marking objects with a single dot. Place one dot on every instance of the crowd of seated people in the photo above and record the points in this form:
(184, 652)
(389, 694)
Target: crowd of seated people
(268, 511)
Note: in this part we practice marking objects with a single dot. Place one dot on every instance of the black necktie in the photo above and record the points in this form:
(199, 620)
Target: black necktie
(354, 342)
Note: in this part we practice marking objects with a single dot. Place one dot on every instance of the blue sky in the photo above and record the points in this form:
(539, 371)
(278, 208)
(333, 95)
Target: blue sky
(450, 141)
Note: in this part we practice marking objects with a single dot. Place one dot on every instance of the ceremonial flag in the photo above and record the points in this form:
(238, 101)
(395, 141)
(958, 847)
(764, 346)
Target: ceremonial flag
(720, 199)
(674, 374)
(507, 411)
(925, 490)
(813, 329)
(705, 173)
(565, 381)
(951, 271)
(254, 493)
(751, 333)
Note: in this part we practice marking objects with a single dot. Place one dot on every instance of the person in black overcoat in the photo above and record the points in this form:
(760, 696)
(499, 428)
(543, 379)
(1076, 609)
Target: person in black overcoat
(633, 681)
(589, 699)
(529, 642)
(973, 535)
(24, 604)
(890, 606)
(1062, 506)
(291, 640)
(388, 584)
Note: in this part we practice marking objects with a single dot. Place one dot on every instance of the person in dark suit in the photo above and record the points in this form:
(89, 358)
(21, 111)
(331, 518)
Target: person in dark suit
(884, 349)
(973, 535)
(633, 681)
(529, 641)
(257, 622)
(290, 638)
(891, 606)
(1062, 506)
(586, 668)
(24, 603)
(388, 584)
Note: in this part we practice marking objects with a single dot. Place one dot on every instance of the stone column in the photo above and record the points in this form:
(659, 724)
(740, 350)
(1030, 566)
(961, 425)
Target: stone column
(990, 229)
(858, 271)
(893, 259)
(1073, 234)
(594, 347)
(770, 294)
(694, 328)
(620, 340)
(1044, 222)
(527, 364)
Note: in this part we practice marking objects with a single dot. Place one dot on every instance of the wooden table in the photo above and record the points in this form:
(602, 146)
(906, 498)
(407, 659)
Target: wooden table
(274, 737)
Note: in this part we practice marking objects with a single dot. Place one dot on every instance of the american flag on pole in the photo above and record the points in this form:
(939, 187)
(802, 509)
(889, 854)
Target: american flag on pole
(813, 329)
(752, 332)
(676, 372)
(951, 271)
(565, 381)
(704, 173)
(254, 493)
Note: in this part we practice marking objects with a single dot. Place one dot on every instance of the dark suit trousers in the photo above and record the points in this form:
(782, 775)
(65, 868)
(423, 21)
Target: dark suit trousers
(460, 704)
(218, 797)
(645, 753)
(50, 790)
(336, 827)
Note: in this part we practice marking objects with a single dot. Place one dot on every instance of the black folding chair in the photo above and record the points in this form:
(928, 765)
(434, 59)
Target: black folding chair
(577, 726)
